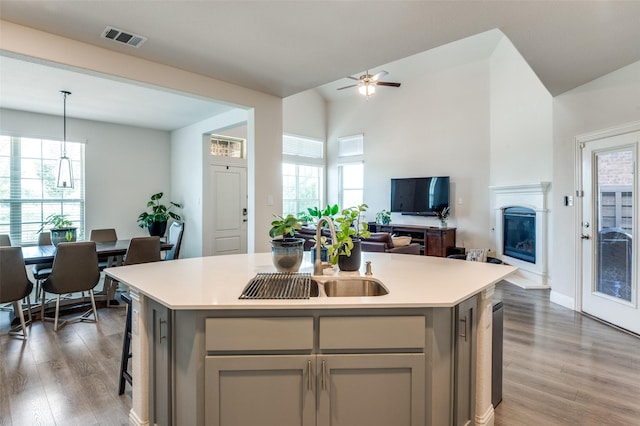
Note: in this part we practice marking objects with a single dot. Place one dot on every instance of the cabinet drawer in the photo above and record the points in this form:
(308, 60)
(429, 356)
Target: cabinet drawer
(259, 334)
(392, 332)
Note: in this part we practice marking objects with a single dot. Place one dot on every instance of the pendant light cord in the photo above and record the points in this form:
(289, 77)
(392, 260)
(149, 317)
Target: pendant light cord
(64, 131)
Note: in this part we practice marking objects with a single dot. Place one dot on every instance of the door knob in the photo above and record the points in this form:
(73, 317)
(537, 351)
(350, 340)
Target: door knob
(585, 237)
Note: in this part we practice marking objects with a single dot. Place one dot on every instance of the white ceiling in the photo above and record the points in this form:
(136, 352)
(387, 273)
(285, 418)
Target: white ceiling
(285, 47)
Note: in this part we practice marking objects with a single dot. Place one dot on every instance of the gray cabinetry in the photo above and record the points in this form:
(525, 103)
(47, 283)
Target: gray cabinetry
(260, 390)
(254, 385)
(371, 390)
(464, 363)
(160, 363)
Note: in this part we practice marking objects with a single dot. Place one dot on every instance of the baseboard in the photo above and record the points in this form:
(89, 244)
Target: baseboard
(486, 419)
(135, 420)
(562, 300)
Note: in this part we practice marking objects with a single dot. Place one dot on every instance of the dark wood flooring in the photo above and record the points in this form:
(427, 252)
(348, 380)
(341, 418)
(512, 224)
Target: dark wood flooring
(560, 368)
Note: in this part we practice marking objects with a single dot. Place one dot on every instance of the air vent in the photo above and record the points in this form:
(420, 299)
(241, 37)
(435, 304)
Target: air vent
(123, 37)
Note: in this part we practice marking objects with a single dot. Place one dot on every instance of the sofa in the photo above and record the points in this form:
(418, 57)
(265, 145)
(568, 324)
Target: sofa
(383, 242)
(377, 242)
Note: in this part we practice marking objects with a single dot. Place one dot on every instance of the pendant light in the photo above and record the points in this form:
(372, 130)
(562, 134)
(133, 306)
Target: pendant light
(65, 171)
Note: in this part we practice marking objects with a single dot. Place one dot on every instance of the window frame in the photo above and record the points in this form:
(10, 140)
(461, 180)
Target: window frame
(24, 231)
(305, 161)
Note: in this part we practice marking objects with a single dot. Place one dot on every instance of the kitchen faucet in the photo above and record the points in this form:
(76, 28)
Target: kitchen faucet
(317, 265)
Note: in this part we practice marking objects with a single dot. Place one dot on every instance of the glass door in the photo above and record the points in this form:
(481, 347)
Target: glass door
(609, 235)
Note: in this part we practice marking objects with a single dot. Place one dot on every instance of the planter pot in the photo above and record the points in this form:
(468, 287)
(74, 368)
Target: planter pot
(443, 224)
(157, 229)
(287, 253)
(63, 235)
(324, 254)
(351, 263)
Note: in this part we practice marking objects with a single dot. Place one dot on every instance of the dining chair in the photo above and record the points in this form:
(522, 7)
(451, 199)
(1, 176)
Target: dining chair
(15, 285)
(41, 271)
(5, 240)
(175, 237)
(104, 235)
(142, 250)
(75, 269)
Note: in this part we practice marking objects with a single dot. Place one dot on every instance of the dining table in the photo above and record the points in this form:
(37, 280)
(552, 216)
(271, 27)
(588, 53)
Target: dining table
(113, 250)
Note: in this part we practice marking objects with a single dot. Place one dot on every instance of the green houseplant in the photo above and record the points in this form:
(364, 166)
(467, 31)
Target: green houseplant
(157, 219)
(383, 217)
(61, 228)
(346, 250)
(286, 251)
(443, 216)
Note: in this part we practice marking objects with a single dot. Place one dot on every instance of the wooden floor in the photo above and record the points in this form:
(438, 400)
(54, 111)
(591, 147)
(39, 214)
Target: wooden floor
(560, 368)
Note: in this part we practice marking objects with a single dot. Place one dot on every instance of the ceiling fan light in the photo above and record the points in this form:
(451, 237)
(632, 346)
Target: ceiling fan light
(367, 89)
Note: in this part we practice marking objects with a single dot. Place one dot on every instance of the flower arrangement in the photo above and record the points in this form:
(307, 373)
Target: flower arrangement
(443, 215)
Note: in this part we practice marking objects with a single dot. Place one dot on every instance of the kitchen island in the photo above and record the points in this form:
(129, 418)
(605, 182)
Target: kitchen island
(419, 355)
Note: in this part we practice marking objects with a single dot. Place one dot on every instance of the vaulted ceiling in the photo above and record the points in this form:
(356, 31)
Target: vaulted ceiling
(285, 47)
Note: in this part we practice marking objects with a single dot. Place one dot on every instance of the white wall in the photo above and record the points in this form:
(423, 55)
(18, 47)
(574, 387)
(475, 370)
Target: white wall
(265, 118)
(305, 114)
(117, 188)
(606, 102)
(434, 125)
(521, 121)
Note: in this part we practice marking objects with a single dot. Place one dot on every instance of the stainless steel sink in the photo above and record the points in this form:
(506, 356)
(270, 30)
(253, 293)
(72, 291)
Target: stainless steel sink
(354, 287)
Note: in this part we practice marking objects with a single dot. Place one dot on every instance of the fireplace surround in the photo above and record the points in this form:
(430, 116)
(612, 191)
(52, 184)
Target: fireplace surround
(521, 211)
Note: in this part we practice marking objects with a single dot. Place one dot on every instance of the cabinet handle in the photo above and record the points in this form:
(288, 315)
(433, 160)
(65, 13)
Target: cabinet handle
(464, 328)
(160, 334)
(309, 384)
(324, 373)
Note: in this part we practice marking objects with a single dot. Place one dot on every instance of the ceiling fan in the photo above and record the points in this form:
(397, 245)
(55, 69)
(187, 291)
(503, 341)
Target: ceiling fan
(367, 83)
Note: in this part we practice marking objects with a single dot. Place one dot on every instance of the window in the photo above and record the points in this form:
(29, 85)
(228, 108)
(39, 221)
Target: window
(226, 146)
(28, 192)
(351, 170)
(302, 173)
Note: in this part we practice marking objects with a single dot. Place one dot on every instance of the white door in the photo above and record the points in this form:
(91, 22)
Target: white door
(609, 230)
(229, 185)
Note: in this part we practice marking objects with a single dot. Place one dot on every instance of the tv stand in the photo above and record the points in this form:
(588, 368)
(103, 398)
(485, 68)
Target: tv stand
(433, 241)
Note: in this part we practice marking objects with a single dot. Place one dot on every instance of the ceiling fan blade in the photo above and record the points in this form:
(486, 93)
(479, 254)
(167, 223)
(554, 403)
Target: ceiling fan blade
(379, 75)
(353, 78)
(387, 83)
(346, 87)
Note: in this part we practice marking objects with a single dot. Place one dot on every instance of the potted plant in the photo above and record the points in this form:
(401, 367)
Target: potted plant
(61, 228)
(346, 250)
(383, 217)
(443, 216)
(160, 214)
(286, 251)
(329, 211)
(324, 249)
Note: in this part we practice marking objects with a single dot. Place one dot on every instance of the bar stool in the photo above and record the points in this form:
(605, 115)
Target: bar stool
(125, 376)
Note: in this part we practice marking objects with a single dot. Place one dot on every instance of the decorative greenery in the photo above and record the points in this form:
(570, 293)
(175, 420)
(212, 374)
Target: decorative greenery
(443, 214)
(383, 217)
(284, 226)
(348, 227)
(329, 211)
(159, 212)
(323, 242)
(57, 221)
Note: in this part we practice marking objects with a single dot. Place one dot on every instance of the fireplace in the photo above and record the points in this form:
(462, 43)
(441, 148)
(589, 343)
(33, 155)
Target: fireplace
(519, 233)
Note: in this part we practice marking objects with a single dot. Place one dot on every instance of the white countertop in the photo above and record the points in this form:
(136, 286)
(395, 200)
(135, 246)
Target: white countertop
(216, 282)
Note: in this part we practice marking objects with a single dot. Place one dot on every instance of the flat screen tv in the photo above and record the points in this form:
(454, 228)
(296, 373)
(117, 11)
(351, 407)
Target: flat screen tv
(419, 196)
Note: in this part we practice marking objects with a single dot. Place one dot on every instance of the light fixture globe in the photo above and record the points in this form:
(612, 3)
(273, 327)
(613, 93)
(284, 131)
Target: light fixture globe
(367, 89)
(65, 169)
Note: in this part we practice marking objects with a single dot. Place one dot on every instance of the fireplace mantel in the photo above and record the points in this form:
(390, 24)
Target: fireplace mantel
(533, 196)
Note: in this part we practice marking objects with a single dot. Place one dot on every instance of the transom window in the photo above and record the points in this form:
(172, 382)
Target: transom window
(28, 192)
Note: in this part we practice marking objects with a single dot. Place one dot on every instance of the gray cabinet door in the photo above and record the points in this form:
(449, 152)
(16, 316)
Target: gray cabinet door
(160, 364)
(371, 390)
(464, 363)
(264, 390)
